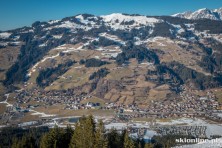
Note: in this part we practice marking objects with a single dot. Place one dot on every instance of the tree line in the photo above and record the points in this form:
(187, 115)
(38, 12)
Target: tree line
(99, 74)
(48, 75)
(139, 52)
(86, 134)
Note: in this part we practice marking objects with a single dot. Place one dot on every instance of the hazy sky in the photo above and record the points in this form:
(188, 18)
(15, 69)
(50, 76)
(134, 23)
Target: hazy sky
(18, 13)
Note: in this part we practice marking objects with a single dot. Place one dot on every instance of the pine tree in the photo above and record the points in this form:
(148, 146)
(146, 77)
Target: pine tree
(128, 142)
(78, 137)
(149, 145)
(90, 131)
(53, 139)
(26, 141)
(100, 139)
(67, 136)
(43, 141)
(14, 143)
(114, 139)
(85, 129)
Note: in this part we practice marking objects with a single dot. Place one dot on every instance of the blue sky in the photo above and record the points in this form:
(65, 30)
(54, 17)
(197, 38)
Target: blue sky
(18, 13)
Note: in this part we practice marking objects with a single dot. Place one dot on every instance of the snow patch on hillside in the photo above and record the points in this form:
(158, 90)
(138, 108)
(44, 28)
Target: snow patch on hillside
(35, 66)
(57, 36)
(3, 43)
(41, 114)
(158, 40)
(5, 35)
(127, 18)
(87, 20)
(53, 21)
(112, 37)
(120, 21)
(178, 29)
(73, 26)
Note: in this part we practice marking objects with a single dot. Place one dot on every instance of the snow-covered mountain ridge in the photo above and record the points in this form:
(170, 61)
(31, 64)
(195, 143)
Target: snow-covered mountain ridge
(204, 13)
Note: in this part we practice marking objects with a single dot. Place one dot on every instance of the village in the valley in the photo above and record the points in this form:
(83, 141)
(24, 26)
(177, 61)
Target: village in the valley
(199, 117)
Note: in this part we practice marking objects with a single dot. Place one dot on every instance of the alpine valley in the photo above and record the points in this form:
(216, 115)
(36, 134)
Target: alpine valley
(165, 66)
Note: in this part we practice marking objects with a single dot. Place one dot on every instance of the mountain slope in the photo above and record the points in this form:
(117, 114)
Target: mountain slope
(119, 57)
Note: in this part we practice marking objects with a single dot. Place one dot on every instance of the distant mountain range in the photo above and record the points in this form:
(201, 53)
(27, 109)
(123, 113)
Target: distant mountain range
(204, 13)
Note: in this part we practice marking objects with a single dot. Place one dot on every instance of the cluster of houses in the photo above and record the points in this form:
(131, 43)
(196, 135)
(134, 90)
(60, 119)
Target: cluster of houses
(88, 105)
(195, 131)
(214, 116)
(187, 105)
(50, 97)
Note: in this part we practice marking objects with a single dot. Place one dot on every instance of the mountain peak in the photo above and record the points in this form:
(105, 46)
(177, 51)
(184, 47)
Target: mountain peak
(120, 21)
(203, 13)
(218, 10)
(203, 9)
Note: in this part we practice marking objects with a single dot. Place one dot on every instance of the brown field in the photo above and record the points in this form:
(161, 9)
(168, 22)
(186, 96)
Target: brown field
(143, 119)
(2, 91)
(2, 108)
(72, 78)
(11, 99)
(158, 94)
(28, 117)
(117, 74)
(166, 119)
(172, 52)
(218, 93)
(8, 56)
